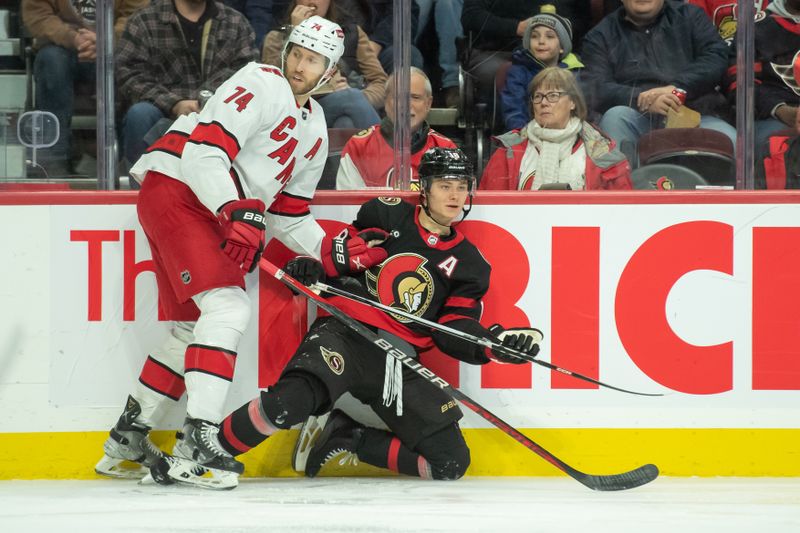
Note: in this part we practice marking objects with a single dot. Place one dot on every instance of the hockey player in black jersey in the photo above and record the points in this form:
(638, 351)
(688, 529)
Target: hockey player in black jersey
(430, 270)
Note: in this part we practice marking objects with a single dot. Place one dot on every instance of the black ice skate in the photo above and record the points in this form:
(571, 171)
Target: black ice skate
(129, 452)
(198, 459)
(339, 438)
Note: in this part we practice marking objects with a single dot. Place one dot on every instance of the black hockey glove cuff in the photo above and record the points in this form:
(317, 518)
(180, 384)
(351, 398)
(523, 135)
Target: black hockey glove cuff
(462, 349)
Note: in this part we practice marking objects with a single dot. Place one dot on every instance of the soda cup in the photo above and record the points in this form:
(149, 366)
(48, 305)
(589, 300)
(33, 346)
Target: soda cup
(681, 94)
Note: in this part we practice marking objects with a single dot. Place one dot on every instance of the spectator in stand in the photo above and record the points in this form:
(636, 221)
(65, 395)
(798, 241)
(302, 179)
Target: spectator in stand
(170, 51)
(558, 148)
(495, 28)
(368, 157)
(447, 19)
(64, 38)
(376, 17)
(352, 98)
(777, 58)
(260, 15)
(547, 42)
(724, 14)
(639, 56)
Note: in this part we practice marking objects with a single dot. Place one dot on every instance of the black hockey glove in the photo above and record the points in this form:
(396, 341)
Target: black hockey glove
(525, 340)
(305, 269)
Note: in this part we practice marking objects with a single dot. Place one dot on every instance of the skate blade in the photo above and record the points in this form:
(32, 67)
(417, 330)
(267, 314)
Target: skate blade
(309, 433)
(190, 473)
(120, 468)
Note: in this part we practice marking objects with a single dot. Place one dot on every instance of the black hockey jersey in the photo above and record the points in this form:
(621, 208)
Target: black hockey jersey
(439, 278)
(777, 62)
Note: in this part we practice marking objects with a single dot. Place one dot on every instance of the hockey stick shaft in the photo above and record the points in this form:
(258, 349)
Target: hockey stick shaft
(487, 343)
(626, 480)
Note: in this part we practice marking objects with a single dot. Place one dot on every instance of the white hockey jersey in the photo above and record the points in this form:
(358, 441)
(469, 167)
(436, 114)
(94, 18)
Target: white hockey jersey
(251, 140)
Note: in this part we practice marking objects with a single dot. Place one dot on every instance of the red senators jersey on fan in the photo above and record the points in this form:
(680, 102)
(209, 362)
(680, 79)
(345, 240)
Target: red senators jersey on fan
(439, 278)
(251, 140)
(724, 14)
(368, 159)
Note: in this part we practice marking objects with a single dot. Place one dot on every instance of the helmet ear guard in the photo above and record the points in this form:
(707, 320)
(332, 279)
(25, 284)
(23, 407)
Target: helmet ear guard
(321, 36)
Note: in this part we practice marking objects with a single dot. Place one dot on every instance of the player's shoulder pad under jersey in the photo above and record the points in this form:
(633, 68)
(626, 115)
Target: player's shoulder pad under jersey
(383, 212)
(262, 77)
(389, 200)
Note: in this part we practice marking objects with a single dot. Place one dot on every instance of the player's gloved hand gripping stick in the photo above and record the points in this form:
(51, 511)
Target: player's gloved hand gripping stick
(626, 480)
(499, 347)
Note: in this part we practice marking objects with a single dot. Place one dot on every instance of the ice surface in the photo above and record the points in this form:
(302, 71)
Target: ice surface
(682, 505)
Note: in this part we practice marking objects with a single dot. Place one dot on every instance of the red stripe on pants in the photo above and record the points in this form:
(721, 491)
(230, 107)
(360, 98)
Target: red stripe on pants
(394, 452)
(210, 360)
(162, 379)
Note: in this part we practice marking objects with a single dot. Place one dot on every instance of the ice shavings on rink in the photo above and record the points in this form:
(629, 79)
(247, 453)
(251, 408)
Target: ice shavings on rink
(395, 504)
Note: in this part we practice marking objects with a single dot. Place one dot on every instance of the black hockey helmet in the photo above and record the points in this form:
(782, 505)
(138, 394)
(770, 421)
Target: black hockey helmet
(445, 164)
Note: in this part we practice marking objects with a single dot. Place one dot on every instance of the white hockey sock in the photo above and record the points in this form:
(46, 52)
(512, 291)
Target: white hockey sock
(211, 359)
(161, 381)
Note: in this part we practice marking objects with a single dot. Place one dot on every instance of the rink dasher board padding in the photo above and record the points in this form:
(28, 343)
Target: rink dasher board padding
(689, 294)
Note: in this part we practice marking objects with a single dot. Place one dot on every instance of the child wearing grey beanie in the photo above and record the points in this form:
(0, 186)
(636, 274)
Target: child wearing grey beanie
(536, 53)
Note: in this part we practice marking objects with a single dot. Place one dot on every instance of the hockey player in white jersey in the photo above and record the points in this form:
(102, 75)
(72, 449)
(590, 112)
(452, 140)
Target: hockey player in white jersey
(259, 144)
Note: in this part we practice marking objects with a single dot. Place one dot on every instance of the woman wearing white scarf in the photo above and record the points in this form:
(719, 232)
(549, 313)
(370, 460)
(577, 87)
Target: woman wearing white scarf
(558, 146)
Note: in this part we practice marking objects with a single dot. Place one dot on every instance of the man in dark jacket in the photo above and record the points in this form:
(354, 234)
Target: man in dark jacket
(169, 52)
(640, 57)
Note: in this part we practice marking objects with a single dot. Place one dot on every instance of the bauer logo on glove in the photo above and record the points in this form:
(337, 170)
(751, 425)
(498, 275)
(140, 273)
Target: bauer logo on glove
(244, 225)
(351, 253)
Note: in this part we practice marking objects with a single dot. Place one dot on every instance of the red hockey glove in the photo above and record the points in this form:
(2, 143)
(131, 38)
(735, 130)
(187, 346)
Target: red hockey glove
(244, 225)
(525, 340)
(346, 254)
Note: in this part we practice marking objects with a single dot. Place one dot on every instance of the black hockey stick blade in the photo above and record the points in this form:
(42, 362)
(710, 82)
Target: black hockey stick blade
(611, 482)
(488, 343)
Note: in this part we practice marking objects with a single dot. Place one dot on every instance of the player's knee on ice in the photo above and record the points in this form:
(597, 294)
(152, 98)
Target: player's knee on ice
(295, 397)
(446, 452)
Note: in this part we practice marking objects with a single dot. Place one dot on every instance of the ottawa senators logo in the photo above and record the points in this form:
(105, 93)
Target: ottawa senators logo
(334, 359)
(790, 74)
(726, 15)
(389, 200)
(402, 282)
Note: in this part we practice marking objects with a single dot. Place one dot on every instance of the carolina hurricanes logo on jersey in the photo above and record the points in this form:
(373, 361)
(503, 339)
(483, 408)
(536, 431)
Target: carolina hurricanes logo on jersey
(790, 74)
(403, 282)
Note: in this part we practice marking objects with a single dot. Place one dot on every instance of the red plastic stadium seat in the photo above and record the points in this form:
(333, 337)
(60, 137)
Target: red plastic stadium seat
(707, 152)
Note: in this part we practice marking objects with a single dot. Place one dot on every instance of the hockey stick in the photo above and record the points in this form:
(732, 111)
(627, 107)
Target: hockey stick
(487, 343)
(626, 480)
